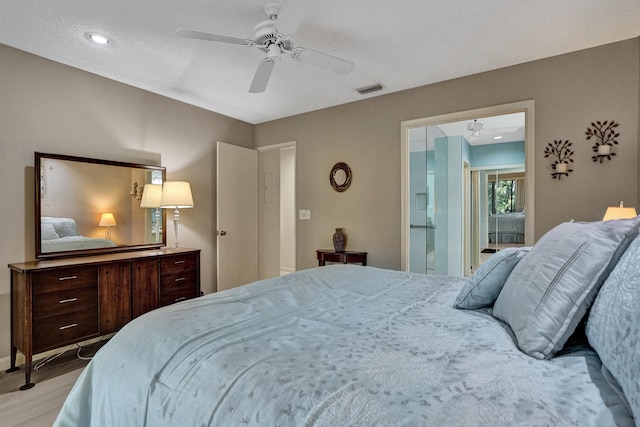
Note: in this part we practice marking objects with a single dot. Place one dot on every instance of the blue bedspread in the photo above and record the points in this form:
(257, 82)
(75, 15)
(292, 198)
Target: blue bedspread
(334, 346)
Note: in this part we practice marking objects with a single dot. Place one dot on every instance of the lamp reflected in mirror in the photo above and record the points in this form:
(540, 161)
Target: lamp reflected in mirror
(151, 198)
(107, 220)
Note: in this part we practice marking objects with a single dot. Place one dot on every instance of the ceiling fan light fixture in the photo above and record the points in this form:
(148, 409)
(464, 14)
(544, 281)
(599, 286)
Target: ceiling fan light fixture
(274, 52)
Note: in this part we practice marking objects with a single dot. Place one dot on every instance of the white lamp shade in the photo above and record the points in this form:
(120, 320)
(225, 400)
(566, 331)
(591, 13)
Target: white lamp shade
(107, 220)
(176, 194)
(151, 196)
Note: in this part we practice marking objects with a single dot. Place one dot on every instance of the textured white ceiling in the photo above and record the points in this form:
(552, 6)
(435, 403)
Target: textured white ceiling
(400, 44)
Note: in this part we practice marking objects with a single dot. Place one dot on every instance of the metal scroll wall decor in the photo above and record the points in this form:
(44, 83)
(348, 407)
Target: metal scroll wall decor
(606, 135)
(562, 153)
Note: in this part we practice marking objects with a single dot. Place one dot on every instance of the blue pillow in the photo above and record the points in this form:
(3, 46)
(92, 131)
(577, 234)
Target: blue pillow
(613, 326)
(550, 290)
(482, 289)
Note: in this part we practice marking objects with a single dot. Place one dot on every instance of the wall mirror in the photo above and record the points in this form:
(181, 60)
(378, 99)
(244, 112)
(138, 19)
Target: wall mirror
(340, 176)
(89, 206)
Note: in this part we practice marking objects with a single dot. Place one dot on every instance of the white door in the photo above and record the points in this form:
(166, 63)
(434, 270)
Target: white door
(237, 213)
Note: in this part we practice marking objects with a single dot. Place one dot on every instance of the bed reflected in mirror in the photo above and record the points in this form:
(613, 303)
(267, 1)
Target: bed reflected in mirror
(94, 206)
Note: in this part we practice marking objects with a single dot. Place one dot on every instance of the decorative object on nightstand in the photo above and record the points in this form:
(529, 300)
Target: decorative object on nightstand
(561, 152)
(339, 240)
(107, 220)
(619, 212)
(340, 177)
(176, 194)
(151, 199)
(605, 135)
(345, 257)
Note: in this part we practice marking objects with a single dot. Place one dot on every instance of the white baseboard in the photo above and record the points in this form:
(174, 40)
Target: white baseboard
(285, 270)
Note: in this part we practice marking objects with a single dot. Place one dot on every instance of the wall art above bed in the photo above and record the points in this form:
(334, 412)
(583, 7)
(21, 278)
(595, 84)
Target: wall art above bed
(606, 135)
(562, 154)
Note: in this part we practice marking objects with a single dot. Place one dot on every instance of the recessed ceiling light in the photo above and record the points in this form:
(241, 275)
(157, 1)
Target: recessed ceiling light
(98, 38)
(497, 137)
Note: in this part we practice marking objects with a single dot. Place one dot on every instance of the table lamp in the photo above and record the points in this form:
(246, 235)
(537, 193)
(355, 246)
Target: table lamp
(619, 212)
(176, 194)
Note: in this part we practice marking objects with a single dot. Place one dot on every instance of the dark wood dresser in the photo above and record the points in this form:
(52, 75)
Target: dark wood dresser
(60, 302)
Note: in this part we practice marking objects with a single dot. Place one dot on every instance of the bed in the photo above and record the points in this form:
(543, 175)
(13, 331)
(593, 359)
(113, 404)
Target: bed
(61, 234)
(506, 227)
(349, 345)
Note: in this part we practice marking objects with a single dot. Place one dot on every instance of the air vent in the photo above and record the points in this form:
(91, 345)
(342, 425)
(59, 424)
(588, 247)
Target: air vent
(368, 89)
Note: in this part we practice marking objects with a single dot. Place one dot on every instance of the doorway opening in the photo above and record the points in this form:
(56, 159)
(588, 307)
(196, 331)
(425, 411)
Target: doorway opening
(277, 209)
(449, 165)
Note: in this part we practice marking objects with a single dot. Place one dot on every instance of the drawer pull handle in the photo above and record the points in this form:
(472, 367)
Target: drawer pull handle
(180, 299)
(73, 325)
(179, 262)
(62, 301)
(180, 279)
(67, 278)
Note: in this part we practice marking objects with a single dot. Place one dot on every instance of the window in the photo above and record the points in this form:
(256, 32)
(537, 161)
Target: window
(506, 193)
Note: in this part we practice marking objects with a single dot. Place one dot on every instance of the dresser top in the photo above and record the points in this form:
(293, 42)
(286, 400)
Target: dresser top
(24, 267)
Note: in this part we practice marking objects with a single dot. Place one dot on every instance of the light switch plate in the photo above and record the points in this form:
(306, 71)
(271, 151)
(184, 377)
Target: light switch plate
(304, 214)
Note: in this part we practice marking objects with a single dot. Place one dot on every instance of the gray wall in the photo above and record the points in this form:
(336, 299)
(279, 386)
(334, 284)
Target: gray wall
(569, 91)
(52, 108)
(49, 107)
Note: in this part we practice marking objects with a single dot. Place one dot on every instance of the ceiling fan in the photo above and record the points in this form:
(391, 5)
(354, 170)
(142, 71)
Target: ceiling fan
(475, 127)
(276, 41)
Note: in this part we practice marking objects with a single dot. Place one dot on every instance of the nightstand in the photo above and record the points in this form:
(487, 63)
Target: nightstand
(344, 257)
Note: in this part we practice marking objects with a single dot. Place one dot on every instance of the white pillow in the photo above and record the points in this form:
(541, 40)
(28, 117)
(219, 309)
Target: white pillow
(47, 232)
(63, 226)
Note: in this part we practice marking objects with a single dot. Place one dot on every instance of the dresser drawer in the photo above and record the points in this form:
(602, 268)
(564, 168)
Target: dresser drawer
(176, 279)
(65, 301)
(177, 294)
(179, 278)
(176, 263)
(52, 332)
(64, 278)
(178, 285)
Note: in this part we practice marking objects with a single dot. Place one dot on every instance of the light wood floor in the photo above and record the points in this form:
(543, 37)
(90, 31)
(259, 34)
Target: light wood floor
(39, 406)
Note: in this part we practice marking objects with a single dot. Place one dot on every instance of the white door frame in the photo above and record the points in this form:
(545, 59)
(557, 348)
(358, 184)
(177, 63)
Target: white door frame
(528, 107)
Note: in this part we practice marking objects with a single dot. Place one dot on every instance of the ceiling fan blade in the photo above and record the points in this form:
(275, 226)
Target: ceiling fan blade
(261, 78)
(322, 60)
(292, 14)
(212, 37)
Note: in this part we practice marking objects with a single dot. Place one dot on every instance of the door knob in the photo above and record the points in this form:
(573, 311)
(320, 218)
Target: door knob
(222, 233)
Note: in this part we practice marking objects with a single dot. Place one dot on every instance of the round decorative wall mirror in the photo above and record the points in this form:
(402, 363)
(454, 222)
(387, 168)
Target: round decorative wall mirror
(340, 176)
